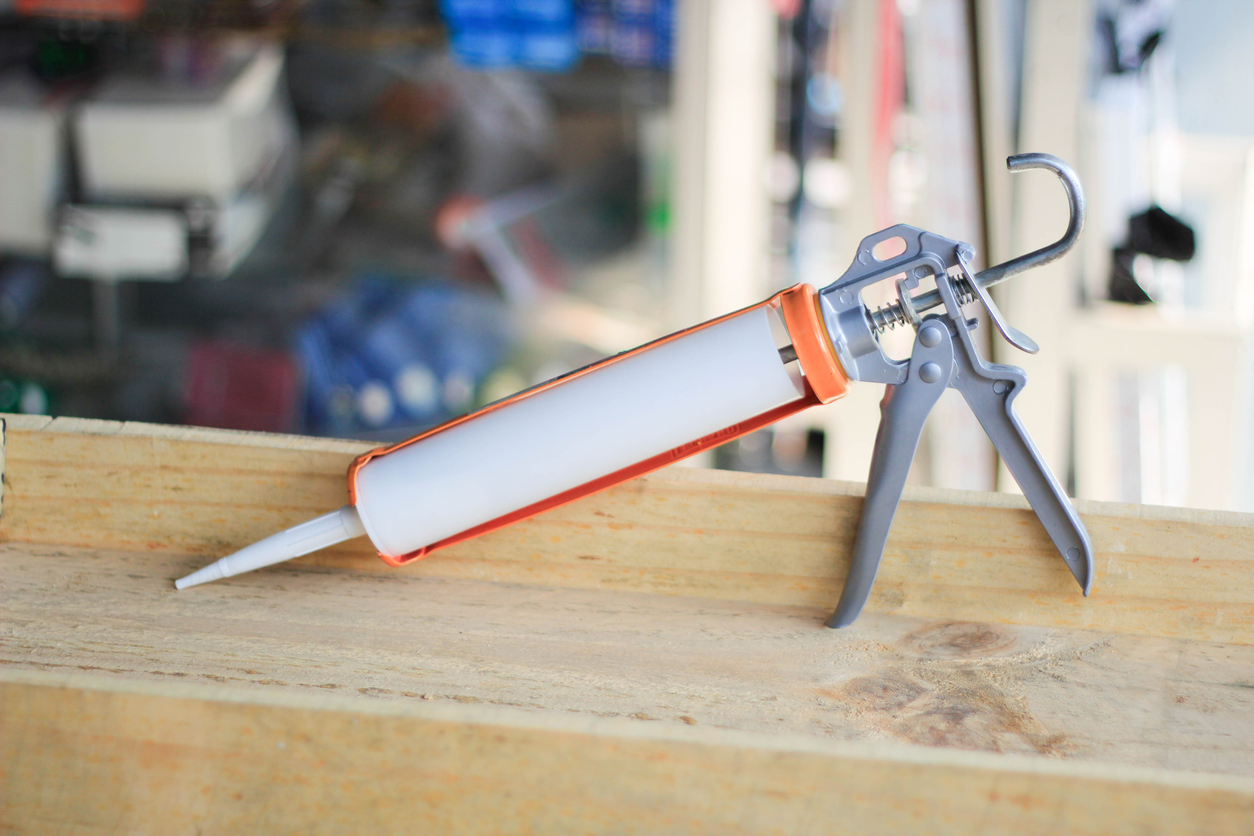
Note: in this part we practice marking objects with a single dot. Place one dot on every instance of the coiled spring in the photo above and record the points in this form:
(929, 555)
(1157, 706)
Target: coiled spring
(890, 316)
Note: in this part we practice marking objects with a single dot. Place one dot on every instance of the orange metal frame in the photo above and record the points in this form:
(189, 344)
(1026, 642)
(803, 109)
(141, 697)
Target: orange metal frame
(824, 378)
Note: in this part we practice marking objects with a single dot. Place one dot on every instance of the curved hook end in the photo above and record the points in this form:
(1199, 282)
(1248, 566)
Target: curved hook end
(1075, 203)
(1019, 162)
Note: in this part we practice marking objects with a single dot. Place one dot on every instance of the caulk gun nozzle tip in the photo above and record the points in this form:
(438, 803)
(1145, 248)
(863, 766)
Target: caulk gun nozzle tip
(212, 572)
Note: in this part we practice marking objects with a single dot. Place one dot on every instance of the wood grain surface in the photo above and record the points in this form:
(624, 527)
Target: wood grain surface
(670, 659)
(194, 759)
(1178, 573)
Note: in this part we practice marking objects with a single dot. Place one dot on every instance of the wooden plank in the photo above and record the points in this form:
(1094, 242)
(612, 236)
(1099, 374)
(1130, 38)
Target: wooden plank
(1175, 573)
(533, 681)
(137, 759)
(670, 659)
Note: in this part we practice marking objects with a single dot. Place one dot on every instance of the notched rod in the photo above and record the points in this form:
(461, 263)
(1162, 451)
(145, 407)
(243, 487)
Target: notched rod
(893, 314)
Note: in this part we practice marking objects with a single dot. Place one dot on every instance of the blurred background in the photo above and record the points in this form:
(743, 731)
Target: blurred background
(359, 218)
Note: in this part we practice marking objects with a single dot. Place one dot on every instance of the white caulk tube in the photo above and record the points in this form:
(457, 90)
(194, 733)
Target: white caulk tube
(705, 384)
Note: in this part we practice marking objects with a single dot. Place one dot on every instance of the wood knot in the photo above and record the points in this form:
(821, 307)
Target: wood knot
(957, 640)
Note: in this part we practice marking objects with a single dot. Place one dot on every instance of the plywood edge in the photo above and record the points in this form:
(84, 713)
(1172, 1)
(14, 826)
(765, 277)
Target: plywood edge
(696, 477)
(244, 438)
(716, 534)
(679, 475)
(89, 749)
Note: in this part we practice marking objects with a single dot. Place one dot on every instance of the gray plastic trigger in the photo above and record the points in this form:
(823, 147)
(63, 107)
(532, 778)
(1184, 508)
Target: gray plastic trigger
(903, 411)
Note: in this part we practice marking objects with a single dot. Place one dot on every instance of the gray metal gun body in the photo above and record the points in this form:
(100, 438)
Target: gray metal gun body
(944, 355)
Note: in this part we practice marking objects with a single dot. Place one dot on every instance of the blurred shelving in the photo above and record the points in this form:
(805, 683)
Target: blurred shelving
(389, 130)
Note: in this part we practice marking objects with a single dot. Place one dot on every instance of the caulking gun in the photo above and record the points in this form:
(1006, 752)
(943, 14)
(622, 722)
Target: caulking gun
(646, 408)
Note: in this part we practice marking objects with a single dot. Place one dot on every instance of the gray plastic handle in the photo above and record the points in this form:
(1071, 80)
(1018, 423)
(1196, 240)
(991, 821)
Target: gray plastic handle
(903, 411)
(990, 390)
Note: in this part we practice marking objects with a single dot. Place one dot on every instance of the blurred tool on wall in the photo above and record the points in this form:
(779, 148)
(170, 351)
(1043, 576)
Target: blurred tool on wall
(151, 150)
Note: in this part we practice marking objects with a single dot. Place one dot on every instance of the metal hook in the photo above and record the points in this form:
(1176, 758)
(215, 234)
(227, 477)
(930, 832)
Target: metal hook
(1056, 250)
(1013, 267)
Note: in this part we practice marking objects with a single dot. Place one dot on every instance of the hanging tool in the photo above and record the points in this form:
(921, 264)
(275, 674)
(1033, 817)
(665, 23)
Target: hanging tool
(646, 408)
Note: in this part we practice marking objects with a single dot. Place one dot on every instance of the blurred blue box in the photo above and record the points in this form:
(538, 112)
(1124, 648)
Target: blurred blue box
(489, 34)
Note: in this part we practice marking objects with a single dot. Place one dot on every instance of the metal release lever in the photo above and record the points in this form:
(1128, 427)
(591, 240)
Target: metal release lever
(1011, 334)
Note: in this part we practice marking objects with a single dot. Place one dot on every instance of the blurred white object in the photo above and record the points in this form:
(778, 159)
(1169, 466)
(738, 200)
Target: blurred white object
(180, 170)
(31, 166)
(134, 241)
(109, 242)
(153, 138)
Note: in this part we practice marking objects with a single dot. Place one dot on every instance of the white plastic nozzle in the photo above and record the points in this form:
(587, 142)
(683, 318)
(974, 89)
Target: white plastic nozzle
(318, 533)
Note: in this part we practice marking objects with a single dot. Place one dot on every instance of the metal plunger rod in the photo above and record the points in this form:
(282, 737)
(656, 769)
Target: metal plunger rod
(893, 314)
